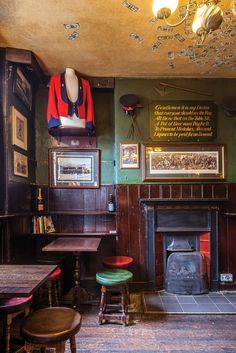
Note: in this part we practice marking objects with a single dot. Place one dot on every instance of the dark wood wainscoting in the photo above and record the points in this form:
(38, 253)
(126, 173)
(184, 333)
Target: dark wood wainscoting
(16, 242)
(131, 220)
(83, 212)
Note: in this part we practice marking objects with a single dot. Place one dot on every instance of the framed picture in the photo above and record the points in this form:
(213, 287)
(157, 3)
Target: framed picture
(22, 88)
(183, 162)
(74, 168)
(20, 164)
(19, 129)
(129, 155)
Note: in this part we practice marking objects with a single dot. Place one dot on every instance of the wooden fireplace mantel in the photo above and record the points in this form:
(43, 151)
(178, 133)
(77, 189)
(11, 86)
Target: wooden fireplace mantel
(156, 201)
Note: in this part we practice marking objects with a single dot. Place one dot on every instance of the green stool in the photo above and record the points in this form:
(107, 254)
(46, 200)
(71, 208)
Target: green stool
(114, 281)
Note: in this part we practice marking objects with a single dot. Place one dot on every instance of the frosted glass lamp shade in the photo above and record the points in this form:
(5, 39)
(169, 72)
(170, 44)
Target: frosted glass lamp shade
(212, 18)
(233, 7)
(197, 25)
(164, 8)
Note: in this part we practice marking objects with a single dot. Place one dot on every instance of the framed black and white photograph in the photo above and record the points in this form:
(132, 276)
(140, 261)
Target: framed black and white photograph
(19, 129)
(22, 88)
(20, 164)
(183, 162)
(74, 168)
(129, 155)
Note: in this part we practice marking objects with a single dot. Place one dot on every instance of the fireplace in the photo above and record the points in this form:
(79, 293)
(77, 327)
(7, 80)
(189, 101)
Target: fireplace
(186, 269)
(184, 232)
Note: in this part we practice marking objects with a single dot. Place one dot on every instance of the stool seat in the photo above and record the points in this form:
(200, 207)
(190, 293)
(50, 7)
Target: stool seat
(51, 325)
(117, 261)
(12, 305)
(114, 277)
(113, 281)
(9, 309)
(55, 274)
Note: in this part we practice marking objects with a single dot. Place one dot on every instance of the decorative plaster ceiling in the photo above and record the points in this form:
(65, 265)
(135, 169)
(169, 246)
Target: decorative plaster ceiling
(117, 38)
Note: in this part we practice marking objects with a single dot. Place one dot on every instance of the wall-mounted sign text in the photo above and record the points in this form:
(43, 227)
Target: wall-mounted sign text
(183, 121)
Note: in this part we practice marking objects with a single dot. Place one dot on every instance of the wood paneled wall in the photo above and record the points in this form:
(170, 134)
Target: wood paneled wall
(131, 220)
(16, 242)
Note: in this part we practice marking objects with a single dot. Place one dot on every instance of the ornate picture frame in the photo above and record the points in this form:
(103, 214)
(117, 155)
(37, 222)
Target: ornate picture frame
(195, 162)
(74, 168)
(19, 129)
(129, 156)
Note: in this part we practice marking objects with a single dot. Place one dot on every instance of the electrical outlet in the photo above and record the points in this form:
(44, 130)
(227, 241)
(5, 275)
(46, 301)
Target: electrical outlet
(226, 277)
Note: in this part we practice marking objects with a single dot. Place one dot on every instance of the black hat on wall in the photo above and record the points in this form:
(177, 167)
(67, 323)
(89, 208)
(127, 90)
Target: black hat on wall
(128, 103)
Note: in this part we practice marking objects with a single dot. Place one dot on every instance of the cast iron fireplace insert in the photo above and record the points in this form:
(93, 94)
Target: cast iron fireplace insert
(172, 217)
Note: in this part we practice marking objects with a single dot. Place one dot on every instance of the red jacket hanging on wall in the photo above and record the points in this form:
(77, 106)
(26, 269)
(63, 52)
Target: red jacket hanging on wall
(60, 105)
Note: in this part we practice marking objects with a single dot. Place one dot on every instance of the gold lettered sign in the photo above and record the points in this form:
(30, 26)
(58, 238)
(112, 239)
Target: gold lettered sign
(183, 121)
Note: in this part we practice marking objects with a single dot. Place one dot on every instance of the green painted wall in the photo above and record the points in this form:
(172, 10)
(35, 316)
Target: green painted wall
(145, 90)
(112, 125)
(104, 120)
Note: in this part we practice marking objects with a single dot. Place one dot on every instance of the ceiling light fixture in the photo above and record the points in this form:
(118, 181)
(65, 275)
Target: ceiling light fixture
(233, 7)
(208, 17)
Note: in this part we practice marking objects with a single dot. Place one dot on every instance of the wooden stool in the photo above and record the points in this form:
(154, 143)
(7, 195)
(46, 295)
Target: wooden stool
(54, 284)
(117, 261)
(10, 308)
(51, 328)
(114, 281)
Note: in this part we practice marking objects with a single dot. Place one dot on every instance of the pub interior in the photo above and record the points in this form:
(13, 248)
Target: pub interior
(117, 176)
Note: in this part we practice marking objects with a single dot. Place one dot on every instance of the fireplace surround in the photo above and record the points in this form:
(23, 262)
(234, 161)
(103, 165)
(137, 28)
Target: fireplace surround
(166, 219)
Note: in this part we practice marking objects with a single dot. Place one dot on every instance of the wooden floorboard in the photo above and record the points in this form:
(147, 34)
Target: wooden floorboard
(159, 334)
(153, 333)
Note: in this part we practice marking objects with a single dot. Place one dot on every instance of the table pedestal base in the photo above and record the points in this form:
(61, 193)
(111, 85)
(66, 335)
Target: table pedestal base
(77, 288)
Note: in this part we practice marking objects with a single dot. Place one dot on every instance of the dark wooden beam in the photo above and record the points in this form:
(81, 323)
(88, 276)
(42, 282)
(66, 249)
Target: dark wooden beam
(27, 57)
(101, 82)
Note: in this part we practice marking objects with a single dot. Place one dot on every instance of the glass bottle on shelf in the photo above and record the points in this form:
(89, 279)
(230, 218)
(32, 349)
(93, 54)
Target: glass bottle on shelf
(40, 201)
(111, 203)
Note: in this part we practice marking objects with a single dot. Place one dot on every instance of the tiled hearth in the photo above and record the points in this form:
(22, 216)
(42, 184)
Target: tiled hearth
(212, 303)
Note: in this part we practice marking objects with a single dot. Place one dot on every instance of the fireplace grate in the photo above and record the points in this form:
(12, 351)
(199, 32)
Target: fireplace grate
(186, 273)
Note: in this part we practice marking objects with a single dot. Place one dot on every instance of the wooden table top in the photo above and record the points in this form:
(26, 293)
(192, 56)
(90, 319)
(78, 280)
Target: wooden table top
(22, 280)
(73, 244)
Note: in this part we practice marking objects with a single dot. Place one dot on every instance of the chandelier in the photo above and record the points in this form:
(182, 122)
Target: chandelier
(208, 17)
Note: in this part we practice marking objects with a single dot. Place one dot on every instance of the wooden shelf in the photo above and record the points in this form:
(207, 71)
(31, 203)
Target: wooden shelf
(229, 214)
(74, 234)
(79, 213)
(12, 215)
(66, 217)
(71, 131)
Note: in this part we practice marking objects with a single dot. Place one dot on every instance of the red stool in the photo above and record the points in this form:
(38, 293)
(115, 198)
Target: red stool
(54, 283)
(10, 308)
(117, 261)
